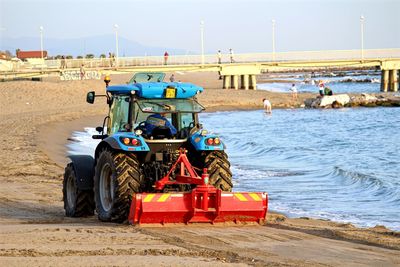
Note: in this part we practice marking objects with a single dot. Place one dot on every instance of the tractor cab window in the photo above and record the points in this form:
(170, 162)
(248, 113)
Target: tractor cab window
(145, 77)
(119, 114)
(186, 120)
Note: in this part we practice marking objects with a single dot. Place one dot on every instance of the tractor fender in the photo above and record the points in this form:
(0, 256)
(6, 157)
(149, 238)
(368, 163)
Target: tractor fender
(115, 142)
(199, 142)
(84, 169)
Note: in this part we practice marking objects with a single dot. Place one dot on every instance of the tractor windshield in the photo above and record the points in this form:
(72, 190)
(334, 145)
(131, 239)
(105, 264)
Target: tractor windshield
(145, 77)
(170, 106)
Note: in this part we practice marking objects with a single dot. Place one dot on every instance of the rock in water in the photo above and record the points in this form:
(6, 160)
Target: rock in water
(327, 100)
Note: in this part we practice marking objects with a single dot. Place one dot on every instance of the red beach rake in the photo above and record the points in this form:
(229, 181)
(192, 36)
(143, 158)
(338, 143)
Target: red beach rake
(204, 204)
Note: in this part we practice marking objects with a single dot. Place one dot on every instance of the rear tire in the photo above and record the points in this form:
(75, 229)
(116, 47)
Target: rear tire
(77, 203)
(218, 168)
(117, 177)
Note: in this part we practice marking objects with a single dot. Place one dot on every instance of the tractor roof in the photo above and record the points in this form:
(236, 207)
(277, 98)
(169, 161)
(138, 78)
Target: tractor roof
(157, 89)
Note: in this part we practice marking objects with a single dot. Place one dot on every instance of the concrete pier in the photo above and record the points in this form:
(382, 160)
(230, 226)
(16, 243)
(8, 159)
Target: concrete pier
(390, 80)
(243, 77)
(390, 75)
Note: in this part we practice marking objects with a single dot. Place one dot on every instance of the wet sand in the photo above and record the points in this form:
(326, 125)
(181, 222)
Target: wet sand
(36, 118)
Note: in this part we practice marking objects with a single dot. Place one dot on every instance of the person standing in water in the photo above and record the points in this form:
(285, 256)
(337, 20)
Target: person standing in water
(267, 106)
(294, 92)
(321, 87)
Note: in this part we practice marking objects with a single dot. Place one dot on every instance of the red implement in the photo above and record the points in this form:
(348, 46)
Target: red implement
(204, 204)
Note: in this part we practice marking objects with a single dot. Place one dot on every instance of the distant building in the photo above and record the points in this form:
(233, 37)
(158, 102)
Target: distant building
(3, 56)
(23, 55)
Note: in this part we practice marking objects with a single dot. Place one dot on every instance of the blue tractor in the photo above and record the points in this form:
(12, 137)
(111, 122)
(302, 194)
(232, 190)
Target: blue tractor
(149, 124)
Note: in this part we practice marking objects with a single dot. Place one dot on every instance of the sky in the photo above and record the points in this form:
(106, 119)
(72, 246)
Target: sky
(243, 25)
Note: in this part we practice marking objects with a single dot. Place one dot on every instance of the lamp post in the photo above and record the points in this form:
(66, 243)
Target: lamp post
(202, 41)
(273, 39)
(116, 43)
(41, 41)
(362, 36)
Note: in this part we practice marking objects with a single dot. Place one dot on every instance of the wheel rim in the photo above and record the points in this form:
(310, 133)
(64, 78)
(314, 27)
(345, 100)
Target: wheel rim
(71, 192)
(106, 187)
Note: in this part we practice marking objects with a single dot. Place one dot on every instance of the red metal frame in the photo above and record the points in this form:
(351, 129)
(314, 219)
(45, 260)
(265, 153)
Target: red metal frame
(204, 204)
(182, 178)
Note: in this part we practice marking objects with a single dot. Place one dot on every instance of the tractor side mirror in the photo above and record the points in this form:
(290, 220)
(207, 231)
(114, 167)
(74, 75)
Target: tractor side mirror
(90, 97)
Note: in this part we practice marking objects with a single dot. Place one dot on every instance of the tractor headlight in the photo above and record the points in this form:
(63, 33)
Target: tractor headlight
(138, 132)
(204, 133)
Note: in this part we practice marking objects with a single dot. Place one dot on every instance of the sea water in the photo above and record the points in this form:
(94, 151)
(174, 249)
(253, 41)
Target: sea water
(347, 82)
(337, 164)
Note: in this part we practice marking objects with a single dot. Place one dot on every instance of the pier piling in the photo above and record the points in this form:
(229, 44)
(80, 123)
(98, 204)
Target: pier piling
(245, 82)
(227, 81)
(393, 81)
(385, 80)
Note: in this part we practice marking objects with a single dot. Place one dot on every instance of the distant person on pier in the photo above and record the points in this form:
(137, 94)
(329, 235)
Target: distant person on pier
(219, 55)
(63, 64)
(294, 91)
(166, 55)
(267, 106)
(111, 59)
(82, 71)
(231, 55)
(172, 78)
(114, 62)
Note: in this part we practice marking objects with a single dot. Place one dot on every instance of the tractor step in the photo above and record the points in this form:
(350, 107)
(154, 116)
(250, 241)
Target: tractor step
(204, 204)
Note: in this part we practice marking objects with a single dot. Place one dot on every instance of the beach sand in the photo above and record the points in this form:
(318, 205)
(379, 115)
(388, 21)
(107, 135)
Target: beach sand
(36, 118)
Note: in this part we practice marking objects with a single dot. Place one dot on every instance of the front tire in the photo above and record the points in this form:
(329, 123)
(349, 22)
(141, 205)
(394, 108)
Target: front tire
(77, 203)
(117, 177)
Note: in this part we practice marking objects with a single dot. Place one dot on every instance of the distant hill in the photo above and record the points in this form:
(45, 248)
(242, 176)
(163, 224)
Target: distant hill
(96, 45)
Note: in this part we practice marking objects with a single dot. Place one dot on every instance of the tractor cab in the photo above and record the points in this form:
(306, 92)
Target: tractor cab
(134, 106)
(132, 113)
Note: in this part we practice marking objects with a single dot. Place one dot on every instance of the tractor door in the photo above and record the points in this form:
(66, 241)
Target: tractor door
(119, 111)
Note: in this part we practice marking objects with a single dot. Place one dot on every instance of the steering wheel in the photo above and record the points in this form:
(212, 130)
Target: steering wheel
(141, 126)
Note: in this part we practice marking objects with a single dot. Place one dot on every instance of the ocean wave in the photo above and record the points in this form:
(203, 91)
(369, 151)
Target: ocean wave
(357, 177)
(376, 186)
(248, 173)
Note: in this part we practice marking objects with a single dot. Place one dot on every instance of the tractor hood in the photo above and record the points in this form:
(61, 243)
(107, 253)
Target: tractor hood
(157, 89)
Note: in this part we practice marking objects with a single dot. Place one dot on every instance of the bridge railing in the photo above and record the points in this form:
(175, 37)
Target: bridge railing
(213, 59)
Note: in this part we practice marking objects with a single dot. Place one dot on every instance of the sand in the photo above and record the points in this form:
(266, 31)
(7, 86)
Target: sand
(36, 118)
